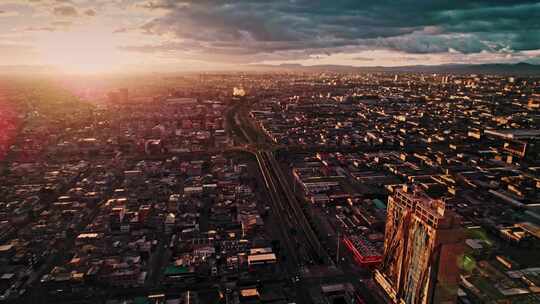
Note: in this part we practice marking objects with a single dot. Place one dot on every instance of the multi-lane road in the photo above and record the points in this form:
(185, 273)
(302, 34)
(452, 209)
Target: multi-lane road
(302, 244)
(313, 248)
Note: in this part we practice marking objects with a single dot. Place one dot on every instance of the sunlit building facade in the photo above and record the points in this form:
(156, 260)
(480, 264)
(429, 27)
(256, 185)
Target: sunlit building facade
(423, 242)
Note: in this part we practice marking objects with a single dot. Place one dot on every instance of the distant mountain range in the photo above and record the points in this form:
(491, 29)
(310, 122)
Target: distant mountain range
(517, 69)
(498, 68)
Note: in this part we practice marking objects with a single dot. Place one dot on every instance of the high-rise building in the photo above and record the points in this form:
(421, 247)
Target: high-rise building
(422, 246)
(113, 97)
(118, 96)
(444, 79)
(123, 95)
(534, 102)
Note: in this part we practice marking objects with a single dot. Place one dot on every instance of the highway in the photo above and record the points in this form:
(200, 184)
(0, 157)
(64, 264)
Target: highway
(312, 245)
(302, 244)
(303, 247)
(278, 208)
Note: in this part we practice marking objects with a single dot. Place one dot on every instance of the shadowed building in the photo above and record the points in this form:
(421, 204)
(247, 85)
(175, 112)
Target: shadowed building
(423, 242)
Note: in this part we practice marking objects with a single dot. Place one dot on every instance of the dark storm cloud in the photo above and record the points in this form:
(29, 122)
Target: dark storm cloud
(252, 27)
(158, 4)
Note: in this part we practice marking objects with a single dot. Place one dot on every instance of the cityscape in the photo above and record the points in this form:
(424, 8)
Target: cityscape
(263, 166)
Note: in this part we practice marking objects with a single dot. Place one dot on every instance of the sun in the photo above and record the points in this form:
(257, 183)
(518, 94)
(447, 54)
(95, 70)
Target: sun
(80, 51)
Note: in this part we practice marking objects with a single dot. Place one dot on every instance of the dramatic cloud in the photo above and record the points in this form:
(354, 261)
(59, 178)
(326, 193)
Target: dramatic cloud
(362, 32)
(159, 4)
(255, 27)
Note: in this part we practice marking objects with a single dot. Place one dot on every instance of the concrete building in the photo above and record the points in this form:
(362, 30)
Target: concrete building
(423, 242)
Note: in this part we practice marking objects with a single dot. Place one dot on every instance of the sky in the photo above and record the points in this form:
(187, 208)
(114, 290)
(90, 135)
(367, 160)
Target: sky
(123, 35)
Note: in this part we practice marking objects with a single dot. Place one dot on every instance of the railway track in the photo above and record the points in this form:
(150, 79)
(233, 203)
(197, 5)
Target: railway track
(291, 209)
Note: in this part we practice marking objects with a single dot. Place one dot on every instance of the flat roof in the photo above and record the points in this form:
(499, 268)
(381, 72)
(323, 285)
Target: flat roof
(514, 134)
(474, 243)
(175, 270)
(250, 292)
(6, 247)
(260, 250)
(530, 228)
(379, 204)
(332, 288)
(87, 235)
(261, 257)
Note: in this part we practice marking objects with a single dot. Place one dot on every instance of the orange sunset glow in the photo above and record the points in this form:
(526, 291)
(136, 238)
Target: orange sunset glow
(84, 36)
